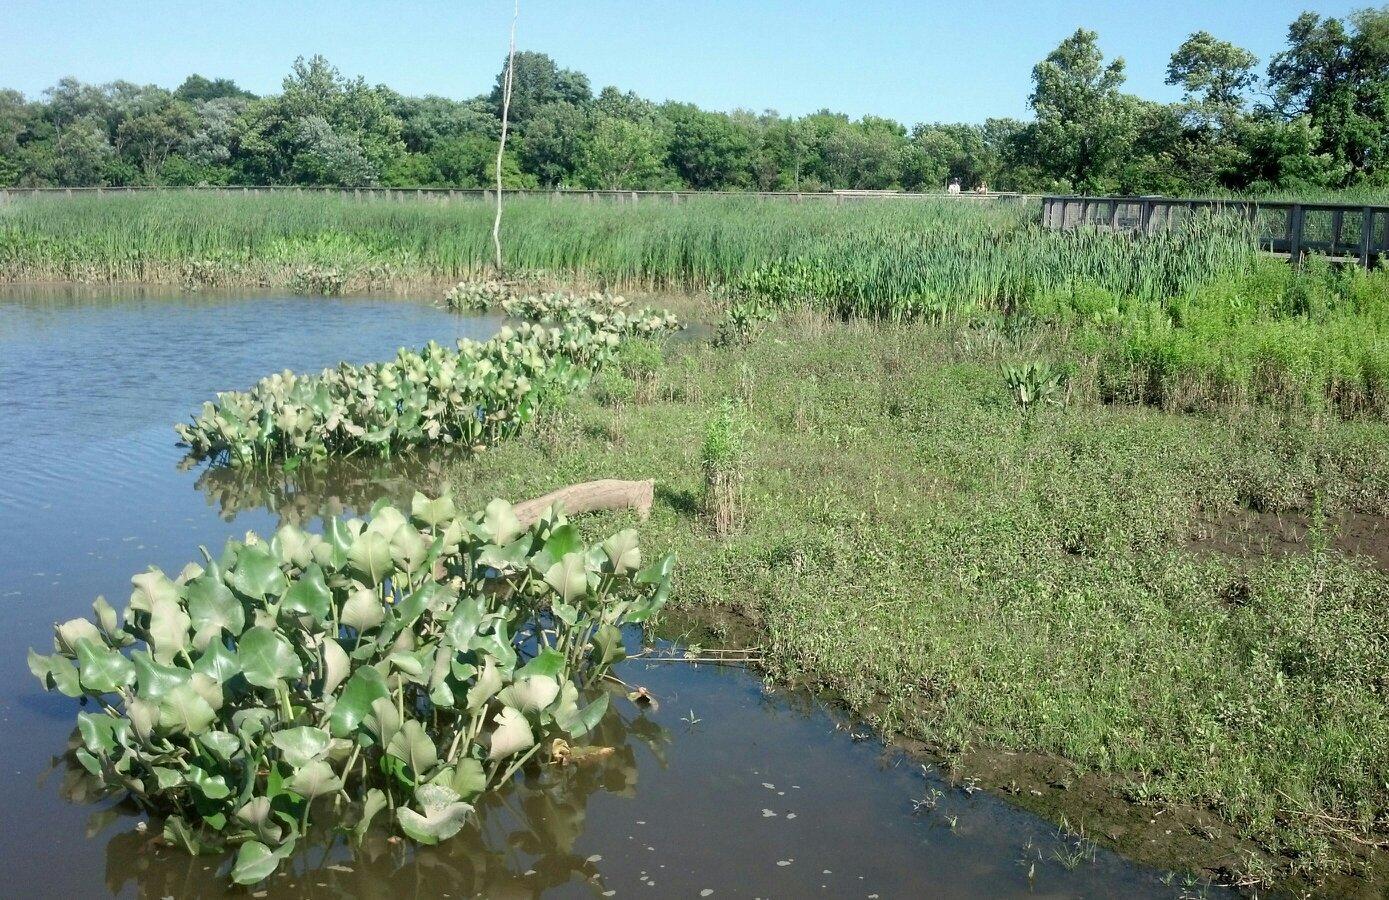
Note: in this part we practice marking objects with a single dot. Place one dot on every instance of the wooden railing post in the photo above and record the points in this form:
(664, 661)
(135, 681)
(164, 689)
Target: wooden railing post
(1295, 219)
(1367, 235)
(1337, 220)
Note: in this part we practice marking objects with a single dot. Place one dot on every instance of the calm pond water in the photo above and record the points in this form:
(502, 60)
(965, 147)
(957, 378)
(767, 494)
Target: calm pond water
(765, 795)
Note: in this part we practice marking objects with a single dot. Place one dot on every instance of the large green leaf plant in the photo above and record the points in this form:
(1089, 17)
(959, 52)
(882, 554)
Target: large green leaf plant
(399, 666)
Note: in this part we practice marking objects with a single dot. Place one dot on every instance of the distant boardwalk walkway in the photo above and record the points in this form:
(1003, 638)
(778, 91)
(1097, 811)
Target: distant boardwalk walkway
(1345, 232)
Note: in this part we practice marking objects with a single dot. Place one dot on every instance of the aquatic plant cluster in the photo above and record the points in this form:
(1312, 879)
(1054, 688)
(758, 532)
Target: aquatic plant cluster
(472, 396)
(477, 295)
(597, 310)
(404, 664)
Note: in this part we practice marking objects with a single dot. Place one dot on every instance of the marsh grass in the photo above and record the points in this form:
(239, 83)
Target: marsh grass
(884, 260)
(907, 546)
(723, 455)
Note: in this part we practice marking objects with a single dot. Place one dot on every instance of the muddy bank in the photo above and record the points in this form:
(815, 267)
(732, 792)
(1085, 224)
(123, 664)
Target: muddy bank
(1251, 534)
(1192, 842)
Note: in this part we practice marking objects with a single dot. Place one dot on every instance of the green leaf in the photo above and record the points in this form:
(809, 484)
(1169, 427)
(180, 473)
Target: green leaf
(489, 681)
(256, 862)
(562, 541)
(56, 672)
(370, 558)
(336, 665)
(222, 744)
(102, 669)
(530, 695)
(98, 732)
(512, 735)
(353, 706)
(168, 629)
(106, 616)
(500, 524)
(213, 787)
(412, 745)
(213, 608)
(607, 641)
(148, 586)
(363, 610)
(153, 681)
(469, 778)
(588, 718)
(73, 630)
(217, 663)
(467, 618)
(623, 552)
(432, 512)
(569, 577)
(658, 571)
(257, 813)
(257, 573)
(442, 814)
(265, 657)
(408, 663)
(339, 537)
(88, 762)
(302, 745)
(177, 833)
(408, 549)
(375, 802)
(315, 779)
(548, 661)
(308, 596)
(182, 709)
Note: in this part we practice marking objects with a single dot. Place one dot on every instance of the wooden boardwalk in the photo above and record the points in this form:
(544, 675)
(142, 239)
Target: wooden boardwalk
(1344, 232)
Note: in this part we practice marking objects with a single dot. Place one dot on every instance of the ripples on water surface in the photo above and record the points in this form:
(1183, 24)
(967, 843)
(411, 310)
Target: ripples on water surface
(763, 797)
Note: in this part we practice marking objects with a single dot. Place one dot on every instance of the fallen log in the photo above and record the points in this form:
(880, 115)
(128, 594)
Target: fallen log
(591, 496)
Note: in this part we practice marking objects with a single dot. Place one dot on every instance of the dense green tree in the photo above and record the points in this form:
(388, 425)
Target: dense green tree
(82, 154)
(707, 150)
(197, 89)
(553, 144)
(1216, 75)
(1084, 124)
(621, 153)
(1326, 124)
(343, 129)
(16, 120)
(1337, 76)
(536, 81)
(427, 121)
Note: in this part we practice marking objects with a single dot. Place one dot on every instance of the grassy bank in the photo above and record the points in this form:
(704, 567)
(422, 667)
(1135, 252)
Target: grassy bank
(984, 579)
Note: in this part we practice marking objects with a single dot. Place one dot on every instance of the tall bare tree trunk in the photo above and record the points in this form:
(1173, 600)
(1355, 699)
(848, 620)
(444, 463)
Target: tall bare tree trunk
(501, 146)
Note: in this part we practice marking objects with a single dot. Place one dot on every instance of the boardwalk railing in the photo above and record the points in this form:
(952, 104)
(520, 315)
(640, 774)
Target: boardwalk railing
(1344, 232)
(426, 193)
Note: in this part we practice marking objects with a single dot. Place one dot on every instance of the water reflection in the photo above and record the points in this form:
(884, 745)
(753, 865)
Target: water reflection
(522, 842)
(314, 490)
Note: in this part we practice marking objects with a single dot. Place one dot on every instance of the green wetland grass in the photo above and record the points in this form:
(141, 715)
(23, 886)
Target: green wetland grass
(883, 257)
(989, 578)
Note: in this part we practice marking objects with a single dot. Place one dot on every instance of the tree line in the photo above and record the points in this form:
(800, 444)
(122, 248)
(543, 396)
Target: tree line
(1316, 116)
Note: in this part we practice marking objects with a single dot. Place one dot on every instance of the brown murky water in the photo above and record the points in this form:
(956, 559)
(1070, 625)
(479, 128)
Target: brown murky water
(727, 789)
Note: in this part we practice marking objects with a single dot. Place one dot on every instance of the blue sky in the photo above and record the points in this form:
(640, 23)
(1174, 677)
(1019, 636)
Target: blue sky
(914, 61)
